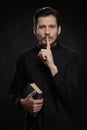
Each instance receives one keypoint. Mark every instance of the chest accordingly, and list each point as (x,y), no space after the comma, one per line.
(35,71)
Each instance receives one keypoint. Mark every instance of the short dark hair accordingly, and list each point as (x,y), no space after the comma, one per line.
(46,11)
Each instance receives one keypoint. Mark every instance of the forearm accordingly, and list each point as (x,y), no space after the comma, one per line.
(14,96)
(66,92)
(66,84)
(53,69)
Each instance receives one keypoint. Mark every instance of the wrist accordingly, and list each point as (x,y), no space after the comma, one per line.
(53,69)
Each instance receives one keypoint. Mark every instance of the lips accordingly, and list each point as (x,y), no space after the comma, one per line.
(49,38)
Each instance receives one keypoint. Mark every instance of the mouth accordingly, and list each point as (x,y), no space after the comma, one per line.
(45,39)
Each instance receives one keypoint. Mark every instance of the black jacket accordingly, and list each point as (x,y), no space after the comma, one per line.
(59,91)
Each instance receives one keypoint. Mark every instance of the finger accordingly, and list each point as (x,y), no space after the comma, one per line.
(38,101)
(43,50)
(37,105)
(42,55)
(37,108)
(31,94)
(48,44)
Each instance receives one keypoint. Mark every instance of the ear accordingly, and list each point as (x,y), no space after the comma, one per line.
(59,30)
(34,30)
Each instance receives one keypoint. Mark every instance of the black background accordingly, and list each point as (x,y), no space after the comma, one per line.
(16,35)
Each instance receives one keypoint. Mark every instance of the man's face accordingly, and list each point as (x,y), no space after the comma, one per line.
(47,28)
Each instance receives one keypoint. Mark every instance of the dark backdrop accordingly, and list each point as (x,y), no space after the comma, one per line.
(16,35)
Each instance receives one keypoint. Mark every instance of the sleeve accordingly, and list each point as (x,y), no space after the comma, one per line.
(16,88)
(66,85)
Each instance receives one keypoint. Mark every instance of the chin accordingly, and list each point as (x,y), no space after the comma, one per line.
(44,45)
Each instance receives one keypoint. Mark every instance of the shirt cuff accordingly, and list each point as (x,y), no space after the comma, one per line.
(17,102)
(58,78)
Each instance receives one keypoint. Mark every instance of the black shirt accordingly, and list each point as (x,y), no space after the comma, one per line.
(59,91)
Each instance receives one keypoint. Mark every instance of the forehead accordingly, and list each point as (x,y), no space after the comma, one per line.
(47,20)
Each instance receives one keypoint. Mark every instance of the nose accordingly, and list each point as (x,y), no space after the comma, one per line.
(47,31)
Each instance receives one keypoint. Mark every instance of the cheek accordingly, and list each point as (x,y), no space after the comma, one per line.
(40,34)
(55,35)
(39,37)
(54,32)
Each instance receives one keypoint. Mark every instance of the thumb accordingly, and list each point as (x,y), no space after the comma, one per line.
(30,95)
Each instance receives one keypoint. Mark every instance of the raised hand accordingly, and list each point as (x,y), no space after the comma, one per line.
(46,54)
(47,58)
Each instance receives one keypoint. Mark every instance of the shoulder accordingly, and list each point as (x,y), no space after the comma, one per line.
(69,52)
(28,52)
(68,55)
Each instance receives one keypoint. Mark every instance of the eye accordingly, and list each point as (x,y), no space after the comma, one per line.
(52,26)
(41,27)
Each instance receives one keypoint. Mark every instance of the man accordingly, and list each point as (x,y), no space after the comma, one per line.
(54,69)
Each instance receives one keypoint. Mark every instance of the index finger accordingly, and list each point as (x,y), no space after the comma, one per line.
(48,44)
